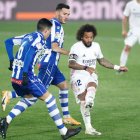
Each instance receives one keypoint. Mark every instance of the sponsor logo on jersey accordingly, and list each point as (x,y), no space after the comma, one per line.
(57,35)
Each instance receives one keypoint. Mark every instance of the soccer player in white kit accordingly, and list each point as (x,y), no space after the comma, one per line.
(84,80)
(132,18)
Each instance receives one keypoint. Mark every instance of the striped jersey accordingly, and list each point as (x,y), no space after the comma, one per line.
(27,55)
(56,36)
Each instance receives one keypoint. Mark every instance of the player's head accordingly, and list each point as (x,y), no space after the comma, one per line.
(62,12)
(86,34)
(44,26)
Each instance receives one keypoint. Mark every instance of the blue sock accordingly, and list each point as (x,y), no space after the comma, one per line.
(63,98)
(54,114)
(20,107)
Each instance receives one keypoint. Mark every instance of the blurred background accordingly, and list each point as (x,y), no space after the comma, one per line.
(80,9)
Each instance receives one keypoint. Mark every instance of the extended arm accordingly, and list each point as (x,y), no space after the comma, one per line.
(104,62)
(124,26)
(56,48)
(9,44)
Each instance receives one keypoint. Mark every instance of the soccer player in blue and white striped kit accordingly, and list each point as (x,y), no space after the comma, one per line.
(28,85)
(49,72)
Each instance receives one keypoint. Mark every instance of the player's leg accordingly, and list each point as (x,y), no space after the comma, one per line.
(84,89)
(21,106)
(130,41)
(53,110)
(6,96)
(124,55)
(90,95)
(60,82)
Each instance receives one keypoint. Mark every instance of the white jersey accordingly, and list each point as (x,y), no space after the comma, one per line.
(85,56)
(132,10)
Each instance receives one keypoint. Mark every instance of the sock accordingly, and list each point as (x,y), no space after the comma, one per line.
(123,58)
(12,94)
(85,115)
(20,107)
(90,96)
(54,114)
(63,98)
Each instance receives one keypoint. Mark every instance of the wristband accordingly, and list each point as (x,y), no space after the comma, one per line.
(85,67)
(116,67)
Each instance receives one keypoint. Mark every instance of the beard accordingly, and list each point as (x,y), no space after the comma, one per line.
(87,44)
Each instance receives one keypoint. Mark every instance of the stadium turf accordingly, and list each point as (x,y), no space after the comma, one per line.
(116,112)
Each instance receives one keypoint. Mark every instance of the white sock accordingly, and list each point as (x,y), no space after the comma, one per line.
(123,58)
(85,114)
(90,96)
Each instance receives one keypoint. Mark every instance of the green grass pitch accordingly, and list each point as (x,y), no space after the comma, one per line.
(117,105)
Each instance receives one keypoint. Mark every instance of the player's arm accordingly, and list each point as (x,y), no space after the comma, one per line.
(9,44)
(74,65)
(124,26)
(56,48)
(56,36)
(107,64)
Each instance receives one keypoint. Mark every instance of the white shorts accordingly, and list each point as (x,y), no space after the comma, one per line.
(132,38)
(79,83)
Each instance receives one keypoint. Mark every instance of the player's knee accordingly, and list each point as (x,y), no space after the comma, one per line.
(45,96)
(127,48)
(63,85)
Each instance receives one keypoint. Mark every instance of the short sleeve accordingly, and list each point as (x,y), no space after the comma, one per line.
(100,54)
(73,55)
(56,33)
(127,10)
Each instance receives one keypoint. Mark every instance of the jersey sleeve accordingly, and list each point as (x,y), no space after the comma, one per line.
(34,41)
(99,53)
(127,10)
(73,55)
(56,33)
(10,43)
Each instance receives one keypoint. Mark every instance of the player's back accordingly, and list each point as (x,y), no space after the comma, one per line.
(34,42)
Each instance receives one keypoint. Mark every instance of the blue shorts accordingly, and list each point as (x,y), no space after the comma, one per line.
(50,75)
(34,87)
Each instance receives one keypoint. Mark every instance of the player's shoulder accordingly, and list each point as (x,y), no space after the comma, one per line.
(77,44)
(95,44)
(33,38)
(130,3)
(56,22)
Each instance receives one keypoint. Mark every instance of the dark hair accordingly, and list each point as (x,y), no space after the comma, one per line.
(62,5)
(43,23)
(85,28)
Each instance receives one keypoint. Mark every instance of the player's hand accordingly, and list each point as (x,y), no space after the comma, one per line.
(123,69)
(124,34)
(25,79)
(38,65)
(11,65)
(90,70)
